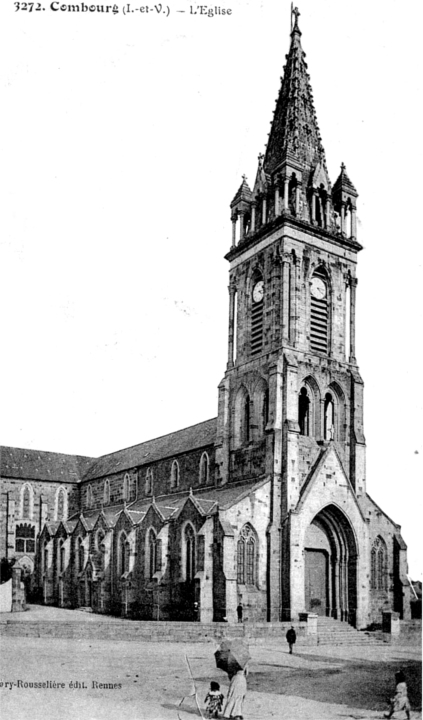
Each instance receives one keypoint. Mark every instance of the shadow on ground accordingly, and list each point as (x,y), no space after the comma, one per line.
(358,684)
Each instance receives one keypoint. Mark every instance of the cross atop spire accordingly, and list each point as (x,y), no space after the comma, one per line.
(294,25)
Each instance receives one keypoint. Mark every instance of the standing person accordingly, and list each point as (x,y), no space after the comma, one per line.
(400,700)
(239,612)
(214,700)
(196,612)
(291,638)
(236,694)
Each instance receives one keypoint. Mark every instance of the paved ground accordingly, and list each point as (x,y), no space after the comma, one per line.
(48,613)
(152,678)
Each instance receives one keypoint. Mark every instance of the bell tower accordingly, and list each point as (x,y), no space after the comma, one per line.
(291,387)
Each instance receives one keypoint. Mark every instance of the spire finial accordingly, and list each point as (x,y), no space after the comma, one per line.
(343,167)
(244,178)
(294,24)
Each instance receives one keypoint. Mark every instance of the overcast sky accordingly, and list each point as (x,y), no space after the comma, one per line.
(124,140)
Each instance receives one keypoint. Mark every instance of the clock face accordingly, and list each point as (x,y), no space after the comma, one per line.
(258,291)
(318,288)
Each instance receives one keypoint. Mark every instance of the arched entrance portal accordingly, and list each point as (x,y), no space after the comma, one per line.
(330,552)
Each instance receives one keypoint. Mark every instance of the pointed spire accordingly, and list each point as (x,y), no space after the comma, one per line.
(344,184)
(294,132)
(243,193)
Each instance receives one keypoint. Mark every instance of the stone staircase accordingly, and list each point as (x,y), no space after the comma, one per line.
(329,632)
(335,632)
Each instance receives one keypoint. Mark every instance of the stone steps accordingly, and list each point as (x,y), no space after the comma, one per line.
(346,638)
(139,631)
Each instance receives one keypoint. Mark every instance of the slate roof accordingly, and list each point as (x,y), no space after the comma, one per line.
(205,498)
(27,464)
(190,438)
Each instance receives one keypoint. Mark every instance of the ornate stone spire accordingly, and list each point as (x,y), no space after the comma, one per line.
(294,134)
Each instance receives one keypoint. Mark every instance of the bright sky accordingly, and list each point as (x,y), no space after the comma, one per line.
(124,140)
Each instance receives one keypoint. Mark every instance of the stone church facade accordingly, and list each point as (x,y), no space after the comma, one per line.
(266,504)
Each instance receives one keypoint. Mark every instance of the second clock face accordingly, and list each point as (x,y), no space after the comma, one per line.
(258,291)
(318,288)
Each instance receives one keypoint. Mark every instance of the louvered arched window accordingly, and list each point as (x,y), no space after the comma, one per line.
(319,311)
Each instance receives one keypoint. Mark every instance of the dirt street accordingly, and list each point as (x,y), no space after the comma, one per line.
(103,680)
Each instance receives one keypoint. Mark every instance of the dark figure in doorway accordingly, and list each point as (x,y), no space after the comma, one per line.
(239,612)
(291,638)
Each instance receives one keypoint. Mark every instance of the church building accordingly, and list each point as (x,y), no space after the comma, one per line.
(266,504)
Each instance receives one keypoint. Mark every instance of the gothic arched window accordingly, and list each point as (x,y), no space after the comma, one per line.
(62,556)
(329,417)
(174,475)
(204,469)
(26,502)
(106,492)
(149,477)
(304,412)
(45,557)
(61,504)
(189,538)
(81,554)
(261,408)
(125,489)
(242,418)
(240,561)
(245,426)
(89,497)
(152,553)
(123,554)
(247,556)
(378,565)
(292,195)
(250,560)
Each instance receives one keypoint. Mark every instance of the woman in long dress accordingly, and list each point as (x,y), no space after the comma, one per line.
(236,694)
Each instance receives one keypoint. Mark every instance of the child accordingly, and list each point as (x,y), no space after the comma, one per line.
(214,700)
(400,701)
